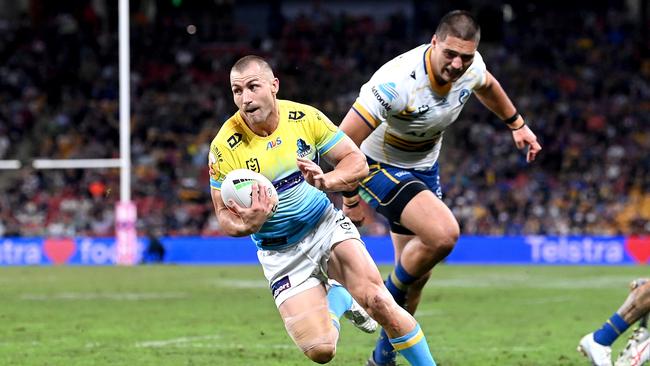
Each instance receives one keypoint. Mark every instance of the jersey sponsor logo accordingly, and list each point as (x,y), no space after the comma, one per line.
(381,100)
(413,75)
(296,115)
(388,89)
(464,94)
(253,164)
(273,144)
(214,159)
(234,139)
(411,113)
(280,285)
(303,148)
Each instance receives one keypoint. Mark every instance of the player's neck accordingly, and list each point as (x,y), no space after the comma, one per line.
(267,127)
(439,81)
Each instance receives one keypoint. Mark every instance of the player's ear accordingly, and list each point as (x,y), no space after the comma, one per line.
(434,40)
(275,86)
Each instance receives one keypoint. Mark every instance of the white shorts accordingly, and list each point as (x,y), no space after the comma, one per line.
(300,267)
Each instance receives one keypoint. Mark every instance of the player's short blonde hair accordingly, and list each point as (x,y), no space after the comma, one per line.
(245,61)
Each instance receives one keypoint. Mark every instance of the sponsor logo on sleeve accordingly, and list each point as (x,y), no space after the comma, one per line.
(385,93)
(388,89)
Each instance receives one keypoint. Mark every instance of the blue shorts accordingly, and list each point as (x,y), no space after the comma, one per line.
(388,189)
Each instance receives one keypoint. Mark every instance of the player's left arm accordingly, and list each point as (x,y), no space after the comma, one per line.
(492,96)
(349,164)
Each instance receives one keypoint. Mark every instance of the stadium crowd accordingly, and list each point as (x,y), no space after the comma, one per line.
(582,79)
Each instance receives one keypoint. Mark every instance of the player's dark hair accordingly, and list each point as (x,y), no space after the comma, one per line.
(460,24)
(245,61)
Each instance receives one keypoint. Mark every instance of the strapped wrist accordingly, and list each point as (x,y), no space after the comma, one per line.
(352,193)
(352,205)
(511,119)
(518,128)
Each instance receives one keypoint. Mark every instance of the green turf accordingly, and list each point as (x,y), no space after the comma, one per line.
(176,315)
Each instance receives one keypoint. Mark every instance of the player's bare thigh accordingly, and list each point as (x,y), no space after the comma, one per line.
(430,219)
(307,320)
(351,265)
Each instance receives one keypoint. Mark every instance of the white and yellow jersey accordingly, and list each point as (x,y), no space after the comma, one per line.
(303,131)
(408,111)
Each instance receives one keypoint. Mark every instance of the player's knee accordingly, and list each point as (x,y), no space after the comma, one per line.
(442,240)
(641,295)
(321,353)
(378,302)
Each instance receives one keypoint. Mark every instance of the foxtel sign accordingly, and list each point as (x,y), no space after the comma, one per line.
(34,251)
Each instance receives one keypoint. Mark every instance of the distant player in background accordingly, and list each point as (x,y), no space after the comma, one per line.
(398,120)
(306,241)
(597,345)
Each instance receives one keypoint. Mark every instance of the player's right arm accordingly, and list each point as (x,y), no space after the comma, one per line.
(356,128)
(242,221)
(234,219)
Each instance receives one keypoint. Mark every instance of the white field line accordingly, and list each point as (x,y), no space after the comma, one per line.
(120,296)
(199,342)
(175,341)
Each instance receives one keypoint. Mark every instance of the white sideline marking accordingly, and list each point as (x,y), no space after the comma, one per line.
(175,341)
(196,342)
(428,312)
(129,296)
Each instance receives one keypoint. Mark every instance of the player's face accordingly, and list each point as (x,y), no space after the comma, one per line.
(254,90)
(452,57)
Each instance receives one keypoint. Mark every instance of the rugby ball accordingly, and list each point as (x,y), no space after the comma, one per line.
(238,186)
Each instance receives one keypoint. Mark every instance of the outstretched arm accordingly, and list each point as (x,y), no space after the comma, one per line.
(492,96)
(349,167)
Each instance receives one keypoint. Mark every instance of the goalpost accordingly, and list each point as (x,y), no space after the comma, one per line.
(126,245)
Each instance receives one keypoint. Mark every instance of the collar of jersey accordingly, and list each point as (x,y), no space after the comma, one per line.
(441,90)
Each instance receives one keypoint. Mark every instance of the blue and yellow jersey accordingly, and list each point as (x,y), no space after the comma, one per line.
(303,131)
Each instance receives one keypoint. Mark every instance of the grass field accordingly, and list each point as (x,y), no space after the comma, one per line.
(176,315)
